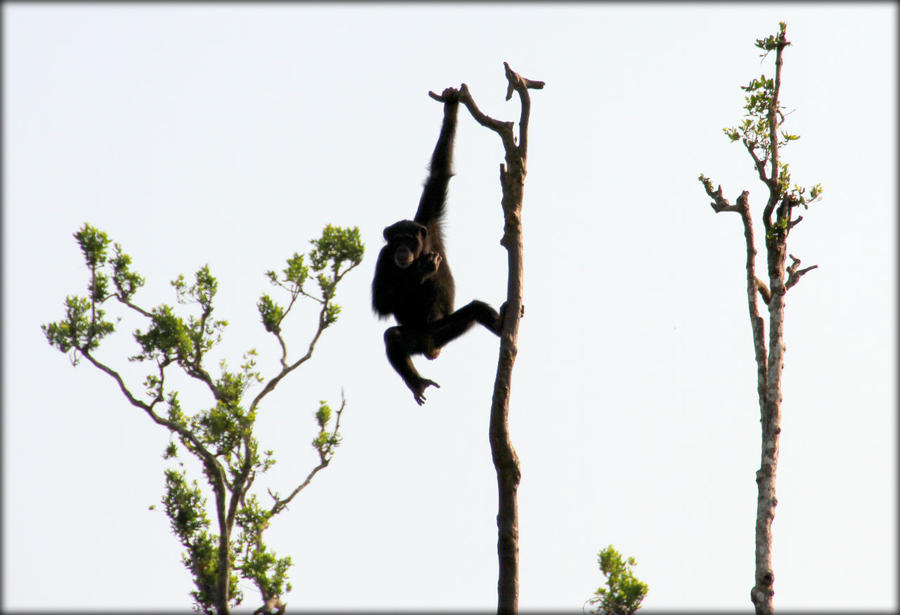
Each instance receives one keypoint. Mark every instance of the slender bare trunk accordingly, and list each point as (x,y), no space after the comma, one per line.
(770,405)
(506,462)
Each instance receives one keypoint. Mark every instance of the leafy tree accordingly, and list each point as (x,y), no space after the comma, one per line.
(224,540)
(760,134)
(623,593)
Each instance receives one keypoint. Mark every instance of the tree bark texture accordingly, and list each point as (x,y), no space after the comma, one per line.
(506,462)
(769,363)
(762,593)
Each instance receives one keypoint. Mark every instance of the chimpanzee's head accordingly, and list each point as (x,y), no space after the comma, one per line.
(406,240)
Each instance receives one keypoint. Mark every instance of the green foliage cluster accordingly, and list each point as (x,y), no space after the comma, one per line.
(186,508)
(325,441)
(760,133)
(85,325)
(759,129)
(623,592)
(333,250)
(221,435)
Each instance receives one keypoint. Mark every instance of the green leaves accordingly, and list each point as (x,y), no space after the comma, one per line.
(325,442)
(784,177)
(623,593)
(754,129)
(331,314)
(296,271)
(336,246)
(202,291)
(126,281)
(171,451)
(255,561)
(220,435)
(272,314)
(323,414)
(814,193)
(93,244)
(84,325)
(167,337)
(335,253)
(772,42)
(292,280)
(185,506)
(763,109)
(170,337)
(761,134)
(81,330)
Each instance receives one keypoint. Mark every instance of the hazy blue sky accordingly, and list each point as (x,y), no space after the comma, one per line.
(230,134)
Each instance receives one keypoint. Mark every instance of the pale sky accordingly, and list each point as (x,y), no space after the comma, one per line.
(231,134)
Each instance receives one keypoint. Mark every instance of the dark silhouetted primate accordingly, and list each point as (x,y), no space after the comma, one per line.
(413,280)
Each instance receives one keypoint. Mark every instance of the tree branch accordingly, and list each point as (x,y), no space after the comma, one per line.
(133,306)
(134,401)
(754,284)
(323,324)
(763,291)
(772,183)
(284,351)
(521,85)
(185,434)
(324,460)
(793,274)
(720,203)
(759,164)
(287,369)
(465,97)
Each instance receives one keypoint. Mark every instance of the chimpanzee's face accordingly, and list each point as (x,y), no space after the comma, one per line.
(406,240)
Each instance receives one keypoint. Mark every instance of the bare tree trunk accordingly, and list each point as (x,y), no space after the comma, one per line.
(770,414)
(223,576)
(768,385)
(770,406)
(506,462)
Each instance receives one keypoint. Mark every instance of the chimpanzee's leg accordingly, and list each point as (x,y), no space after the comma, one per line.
(400,343)
(450,327)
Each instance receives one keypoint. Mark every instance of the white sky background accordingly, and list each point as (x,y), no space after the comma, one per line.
(229,135)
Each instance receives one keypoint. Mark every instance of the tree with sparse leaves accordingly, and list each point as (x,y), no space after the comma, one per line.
(623,593)
(220,436)
(761,136)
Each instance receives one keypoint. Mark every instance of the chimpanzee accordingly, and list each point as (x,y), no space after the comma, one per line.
(412,279)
